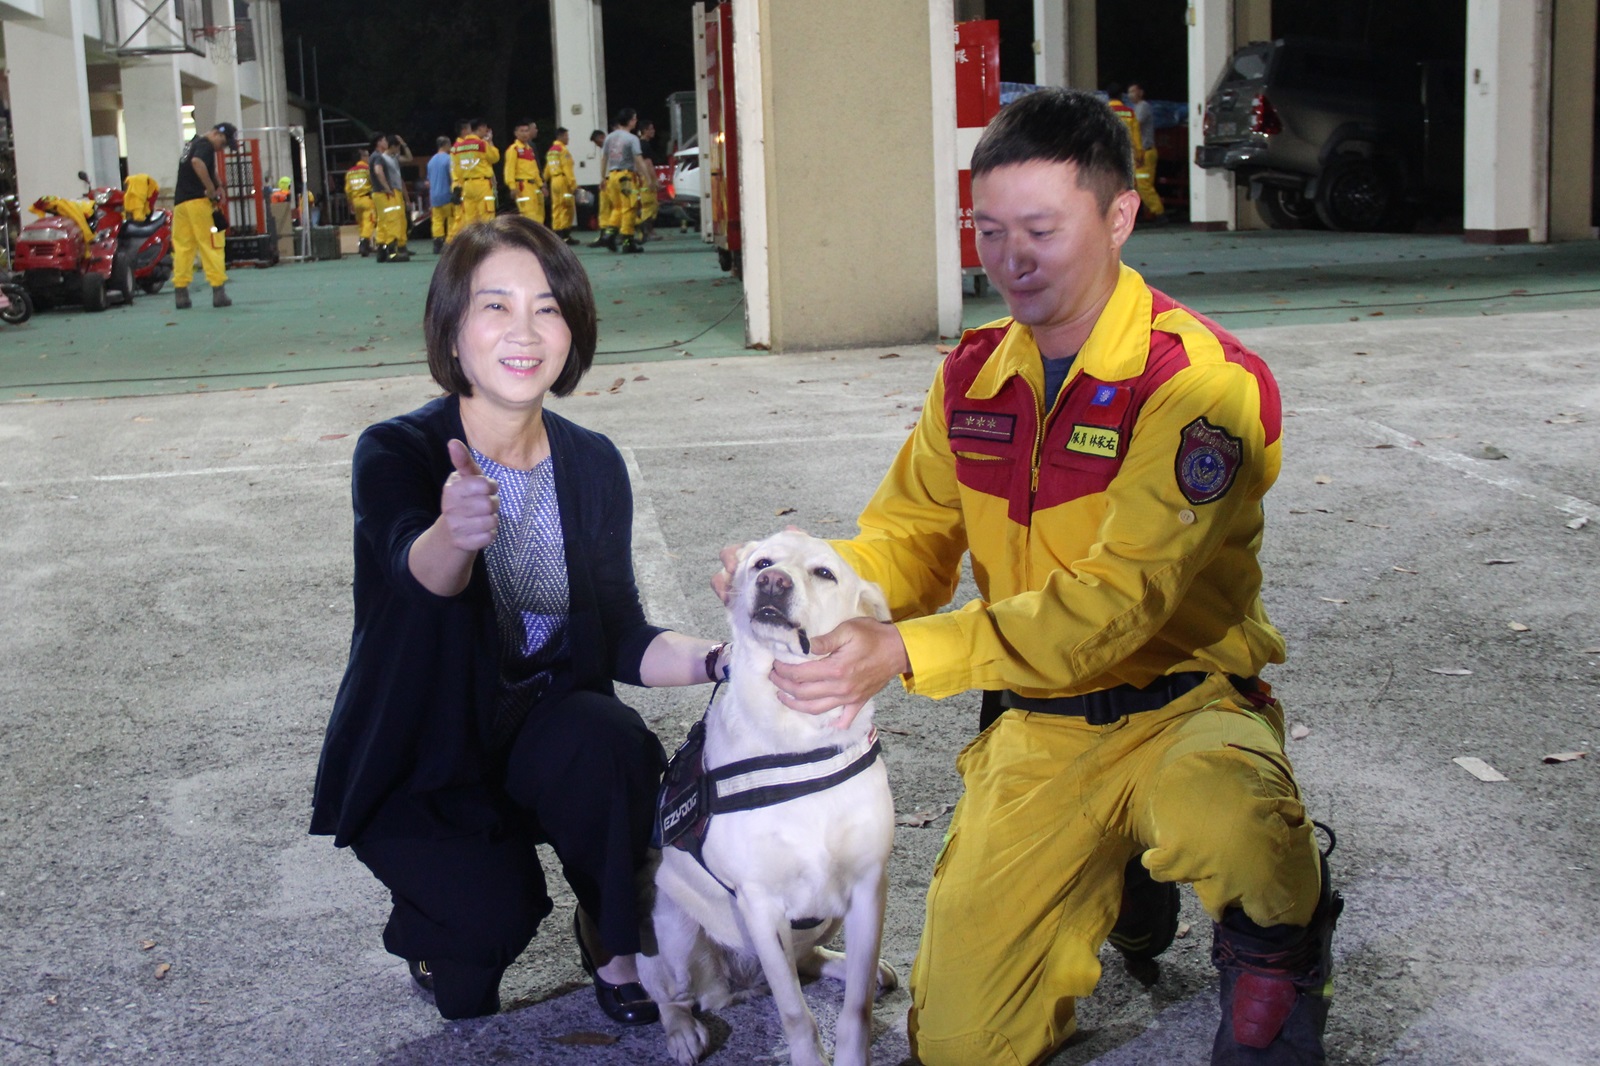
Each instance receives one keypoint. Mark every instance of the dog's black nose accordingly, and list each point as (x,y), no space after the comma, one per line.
(773,582)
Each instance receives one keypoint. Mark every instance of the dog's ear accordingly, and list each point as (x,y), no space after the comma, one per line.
(872,601)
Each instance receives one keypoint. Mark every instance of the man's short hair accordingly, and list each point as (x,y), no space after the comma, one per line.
(623,117)
(441,142)
(372,145)
(560,133)
(1061,126)
(450,296)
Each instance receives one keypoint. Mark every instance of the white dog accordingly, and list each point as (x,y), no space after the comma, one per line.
(793,821)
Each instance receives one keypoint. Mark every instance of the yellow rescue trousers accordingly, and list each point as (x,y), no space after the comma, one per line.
(1144,180)
(477,200)
(1029,880)
(391,212)
(530,200)
(362,209)
(563,208)
(193,234)
(620,210)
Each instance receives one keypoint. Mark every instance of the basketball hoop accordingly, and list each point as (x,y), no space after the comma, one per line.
(219,42)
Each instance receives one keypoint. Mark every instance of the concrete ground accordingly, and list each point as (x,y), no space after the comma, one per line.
(176,617)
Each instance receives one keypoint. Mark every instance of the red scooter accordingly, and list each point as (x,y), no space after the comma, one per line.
(122,254)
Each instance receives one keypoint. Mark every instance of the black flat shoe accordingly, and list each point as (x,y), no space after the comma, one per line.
(420,974)
(625,1004)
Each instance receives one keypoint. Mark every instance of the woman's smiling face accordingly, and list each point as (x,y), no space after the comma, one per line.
(513,342)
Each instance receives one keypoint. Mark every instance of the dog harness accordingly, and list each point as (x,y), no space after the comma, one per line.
(691,794)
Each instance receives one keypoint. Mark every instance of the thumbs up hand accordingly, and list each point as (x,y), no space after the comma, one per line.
(469,503)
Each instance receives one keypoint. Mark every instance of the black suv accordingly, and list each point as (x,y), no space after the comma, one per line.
(1334,134)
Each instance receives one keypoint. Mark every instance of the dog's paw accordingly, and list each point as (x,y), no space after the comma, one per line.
(686,1041)
(888,978)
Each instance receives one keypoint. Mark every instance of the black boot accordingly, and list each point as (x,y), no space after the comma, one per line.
(181,298)
(631,244)
(1276,985)
(438,245)
(364,246)
(220,298)
(1148,920)
(566,235)
(400,254)
(384,251)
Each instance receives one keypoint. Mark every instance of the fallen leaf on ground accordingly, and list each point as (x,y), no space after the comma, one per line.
(162,971)
(1498,562)
(146,945)
(51,1000)
(617,384)
(142,418)
(1300,732)
(890,355)
(1478,768)
(1330,599)
(1489,451)
(943,349)
(1401,570)
(919,819)
(1563,420)
(1450,671)
(641,377)
(1323,479)
(1565,756)
(784,511)
(1183,930)
(1591,651)
(333,436)
(1578,523)
(1516,627)
(1380,447)
(586,1039)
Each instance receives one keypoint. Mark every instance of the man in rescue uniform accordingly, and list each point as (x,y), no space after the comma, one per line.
(472,160)
(624,166)
(562,177)
(1102,454)
(649,200)
(521,172)
(389,202)
(358,194)
(194,198)
(1144,164)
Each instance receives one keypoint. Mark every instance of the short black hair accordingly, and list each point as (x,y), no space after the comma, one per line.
(560,133)
(623,117)
(450,296)
(441,142)
(372,145)
(1061,126)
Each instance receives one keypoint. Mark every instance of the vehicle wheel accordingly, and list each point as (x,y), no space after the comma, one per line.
(1287,209)
(122,277)
(95,296)
(1355,194)
(21,308)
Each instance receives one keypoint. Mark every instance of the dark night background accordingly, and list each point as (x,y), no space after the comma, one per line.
(415,66)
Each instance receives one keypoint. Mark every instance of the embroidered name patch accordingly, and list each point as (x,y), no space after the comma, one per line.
(1208,460)
(1095,440)
(983,425)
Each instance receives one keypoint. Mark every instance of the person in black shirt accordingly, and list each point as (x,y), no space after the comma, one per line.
(198,189)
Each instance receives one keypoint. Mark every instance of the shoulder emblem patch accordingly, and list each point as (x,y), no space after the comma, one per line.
(1209,458)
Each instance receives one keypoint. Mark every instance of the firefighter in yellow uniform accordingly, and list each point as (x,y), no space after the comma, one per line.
(1144,177)
(389,203)
(625,168)
(197,191)
(521,172)
(358,194)
(562,178)
(472,160)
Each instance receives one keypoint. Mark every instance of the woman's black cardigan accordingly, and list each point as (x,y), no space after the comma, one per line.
(415,704)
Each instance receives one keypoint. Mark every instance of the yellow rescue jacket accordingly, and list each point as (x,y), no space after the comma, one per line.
(139,194)
(559,170)
(1114,537)
(472,158)
(358,182)
(76,210)
(521,165)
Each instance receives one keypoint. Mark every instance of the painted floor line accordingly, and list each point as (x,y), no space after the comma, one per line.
(664,602)
(156,475)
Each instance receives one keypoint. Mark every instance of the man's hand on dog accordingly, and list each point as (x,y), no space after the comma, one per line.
(470,502)
(857,659)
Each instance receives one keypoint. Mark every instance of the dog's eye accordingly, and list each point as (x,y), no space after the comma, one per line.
(825,574)
(761,564)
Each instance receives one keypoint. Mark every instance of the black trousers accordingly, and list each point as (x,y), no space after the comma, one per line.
(582,776)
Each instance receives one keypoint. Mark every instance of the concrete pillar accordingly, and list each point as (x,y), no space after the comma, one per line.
(844,258)
(1066,45)
(1211,43)
(577,56)
(1572,71)
(48,79)
(152,118)
(1508,127)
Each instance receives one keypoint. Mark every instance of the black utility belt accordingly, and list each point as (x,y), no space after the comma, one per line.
(1113,704)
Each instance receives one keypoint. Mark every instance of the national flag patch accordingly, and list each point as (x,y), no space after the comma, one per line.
(1103,396)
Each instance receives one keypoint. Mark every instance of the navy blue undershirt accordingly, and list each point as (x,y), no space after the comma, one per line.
(1055,375)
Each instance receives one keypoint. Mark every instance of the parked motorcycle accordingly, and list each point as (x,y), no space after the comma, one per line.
(16,307)
(122,255)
